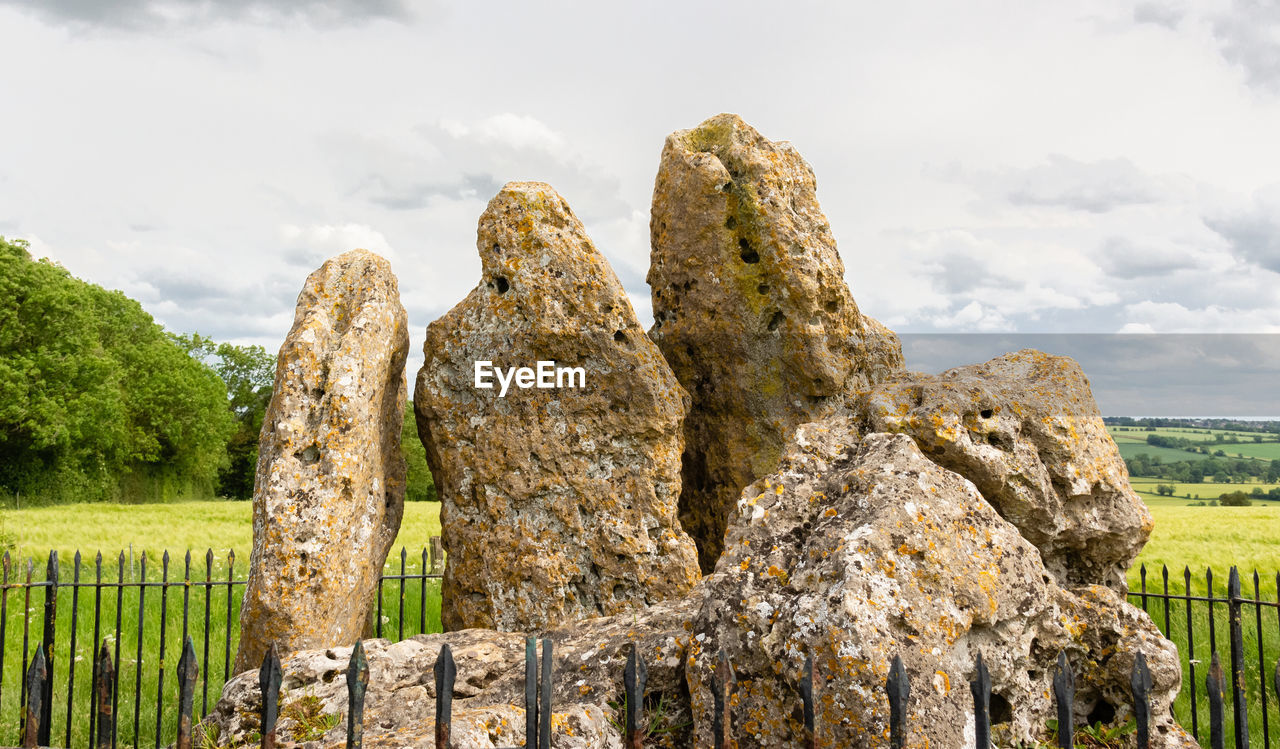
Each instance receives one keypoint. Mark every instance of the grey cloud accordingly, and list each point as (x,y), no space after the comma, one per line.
(1161,14)
(1095,187)
(1253,234)
(1123,258)
(159,14)
(965,272)
(1247,35)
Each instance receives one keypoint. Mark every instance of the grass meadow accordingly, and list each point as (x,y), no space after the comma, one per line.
(1184,537)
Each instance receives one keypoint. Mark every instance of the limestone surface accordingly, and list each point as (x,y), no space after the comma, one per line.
(857,549)
(751,309)
(1025,429)
(559,503)
(329,491)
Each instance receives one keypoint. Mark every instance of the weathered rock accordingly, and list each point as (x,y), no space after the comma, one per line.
(329,491)
(1025,429)
(751,309)
(558,503)
(855,550)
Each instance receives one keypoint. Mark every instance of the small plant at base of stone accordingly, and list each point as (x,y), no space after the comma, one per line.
(657,717)
(1096,736)
(310,721)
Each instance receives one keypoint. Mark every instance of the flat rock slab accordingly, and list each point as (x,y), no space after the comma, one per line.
(559,502)
(329,493)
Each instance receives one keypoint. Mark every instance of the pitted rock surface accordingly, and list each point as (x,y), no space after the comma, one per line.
(751,309)
(558,504)
(860,549)
(856,550)
(1025,429)
(329,491)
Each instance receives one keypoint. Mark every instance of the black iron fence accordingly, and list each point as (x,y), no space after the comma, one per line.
(133,614)
(538,703)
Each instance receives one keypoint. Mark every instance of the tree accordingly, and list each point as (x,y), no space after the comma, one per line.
(419,486)
(1235,499)
(1164,490)
(96,401)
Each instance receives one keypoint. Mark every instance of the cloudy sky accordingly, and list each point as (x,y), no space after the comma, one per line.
(993,166)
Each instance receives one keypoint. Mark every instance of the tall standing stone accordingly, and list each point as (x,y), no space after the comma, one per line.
(559,503)
(329,492)
(751,310)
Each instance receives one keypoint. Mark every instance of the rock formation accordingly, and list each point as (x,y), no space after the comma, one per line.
(329,491)
(751,309)
(857,549)
(1025,430)
(558,502)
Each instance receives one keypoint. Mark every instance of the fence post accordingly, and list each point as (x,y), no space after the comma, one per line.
(50,629)
(1064,694)
(357,683)
(445,672)
(188,670)
(530,692)
(437,555)
(269,684)
(899,688)
(1213,685)
(806,698)
(721,685)
(1140,683)
(103,689)
(36,677)
(634,677)
(980,687)
(1239,706)
(544,710)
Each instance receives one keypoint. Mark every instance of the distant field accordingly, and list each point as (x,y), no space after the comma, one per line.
(220,525)
(1146,488)
(1218,537)
(1133,440)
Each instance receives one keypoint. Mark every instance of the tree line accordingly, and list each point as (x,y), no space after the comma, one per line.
(98,402)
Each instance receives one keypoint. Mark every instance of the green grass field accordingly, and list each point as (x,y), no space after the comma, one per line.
(1133,441)
(1194,537)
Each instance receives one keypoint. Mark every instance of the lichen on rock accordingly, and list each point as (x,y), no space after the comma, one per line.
(329,491)
(558,503)
(751,309)
(1025,429)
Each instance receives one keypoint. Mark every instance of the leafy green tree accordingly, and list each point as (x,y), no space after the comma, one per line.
(96,401)
(1235,499)
(419,486)
(1164,490)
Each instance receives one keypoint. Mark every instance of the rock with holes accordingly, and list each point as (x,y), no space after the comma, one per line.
(553,430)
(488,696)
(751,309)
(859,549)
(1024,428)
(329,491)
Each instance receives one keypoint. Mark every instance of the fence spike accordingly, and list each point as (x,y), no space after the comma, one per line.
(47,644)
(188,670)
(103,686)
(806,701)
(980,688)
(634,676)
(269,683)
(1140,683)
(37,675)
(445,672)
(722,681)
(898,686)
(1213,685)
(357,684)
(531,692)
(1235,633)
(1064,694)
(544,710)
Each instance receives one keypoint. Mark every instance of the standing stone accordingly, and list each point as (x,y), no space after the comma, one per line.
(751,310)
(1025,429)
(329,492)
(559,503)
